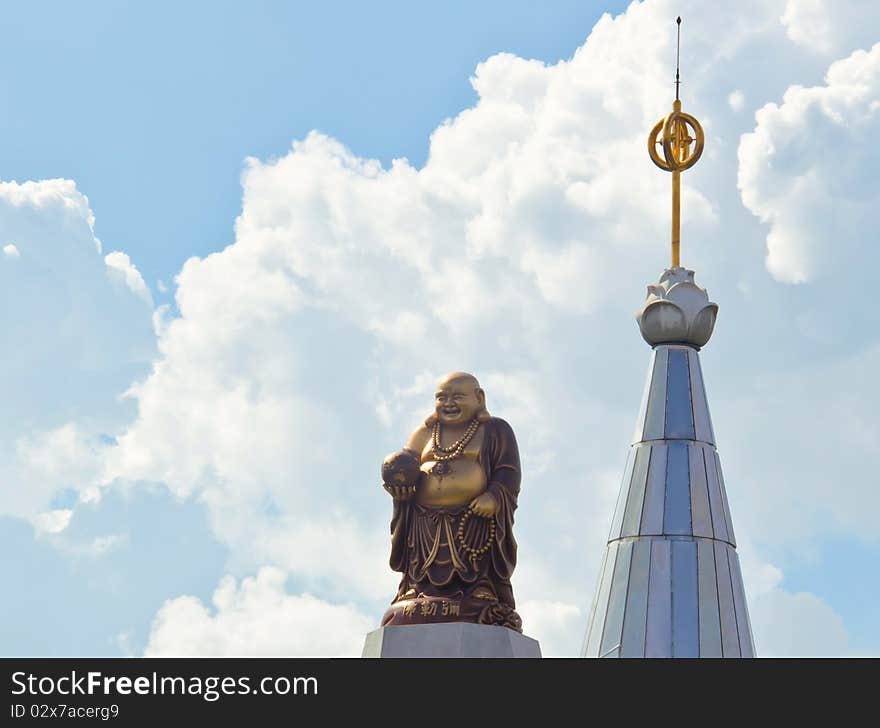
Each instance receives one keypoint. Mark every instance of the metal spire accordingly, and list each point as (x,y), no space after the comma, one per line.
(671,584)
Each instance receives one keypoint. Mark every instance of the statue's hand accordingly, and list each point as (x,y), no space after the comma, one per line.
(485,505)
(400,492)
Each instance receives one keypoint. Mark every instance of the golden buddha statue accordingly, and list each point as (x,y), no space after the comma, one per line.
(454,488)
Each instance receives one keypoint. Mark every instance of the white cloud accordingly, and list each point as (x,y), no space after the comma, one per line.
(74,341)
(65,452)
(49,461)
(256,617)
(826,26)
(736,100)
(808,22)
(313,548)
(797,625)
(120,265)
(57,199)
(10,251)
(819,206)
(829,405)
(554,624)
(53,521)
(787,624)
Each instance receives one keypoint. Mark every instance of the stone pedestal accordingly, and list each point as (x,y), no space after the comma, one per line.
(450,639)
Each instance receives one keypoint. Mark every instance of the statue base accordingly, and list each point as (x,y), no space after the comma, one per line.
(431,610)
(449,639)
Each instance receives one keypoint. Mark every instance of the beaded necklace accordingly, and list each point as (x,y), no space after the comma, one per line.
(442,455)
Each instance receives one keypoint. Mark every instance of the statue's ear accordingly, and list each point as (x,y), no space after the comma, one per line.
(483,415)
(432,418)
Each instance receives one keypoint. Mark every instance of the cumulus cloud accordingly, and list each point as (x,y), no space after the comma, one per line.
(10,251)
(257,617)
(554,624)
(816,631)
(311,547)
(786,623)
(817,204)
(65,454)
(74,341)
(825,27)
(809,23)
(120,266)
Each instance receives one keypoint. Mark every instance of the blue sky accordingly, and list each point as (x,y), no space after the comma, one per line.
(241,241)
(155,106)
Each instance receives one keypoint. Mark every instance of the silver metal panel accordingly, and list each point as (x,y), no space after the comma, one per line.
(724,502)
(700,517)
(633,515)
(586,643)
(594,636)
(685,614)
(716,502)
(726,607)
(679,410)
(677,508)
(617,599)
(710,621)
(634,619)
(706,400)
(656,415)
(655,493)
(743,623)
(658,637)
(617,521)
(702,421)
(639,433)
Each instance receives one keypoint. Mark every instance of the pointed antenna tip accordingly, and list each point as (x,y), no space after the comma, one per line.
(677,56)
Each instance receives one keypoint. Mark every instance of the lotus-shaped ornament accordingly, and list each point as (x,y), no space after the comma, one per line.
(677,311)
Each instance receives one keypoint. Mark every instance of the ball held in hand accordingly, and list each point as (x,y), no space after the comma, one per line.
(401,469)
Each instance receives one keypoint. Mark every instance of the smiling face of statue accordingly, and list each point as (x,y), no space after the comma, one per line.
(458,399)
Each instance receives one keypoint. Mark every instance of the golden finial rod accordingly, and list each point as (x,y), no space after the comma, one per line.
(673,134)
(677,55)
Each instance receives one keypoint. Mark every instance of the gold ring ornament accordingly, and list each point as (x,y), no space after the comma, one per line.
(675,133)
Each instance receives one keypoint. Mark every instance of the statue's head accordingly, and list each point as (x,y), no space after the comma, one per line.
(458,400)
